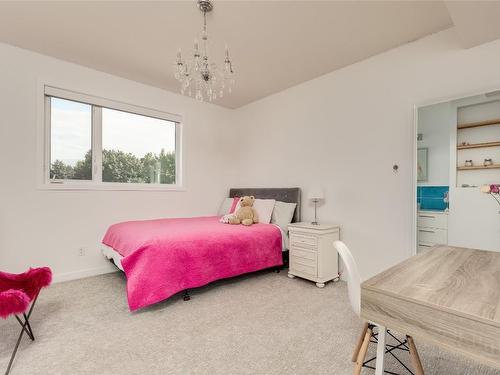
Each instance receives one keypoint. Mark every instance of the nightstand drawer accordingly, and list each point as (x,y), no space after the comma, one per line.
(303,240)
(302,268)
(304,261)
(302,253)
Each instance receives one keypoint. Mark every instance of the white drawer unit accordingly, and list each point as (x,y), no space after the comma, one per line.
(432,235)
(312,255)
(432,229)
(423,247)
(430,219)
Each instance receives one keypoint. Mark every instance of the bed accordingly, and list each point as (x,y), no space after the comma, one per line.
(165,256)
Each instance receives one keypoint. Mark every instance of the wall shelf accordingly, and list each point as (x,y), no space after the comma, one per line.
(478,124)
(476,167)
(484,139)
(478,145)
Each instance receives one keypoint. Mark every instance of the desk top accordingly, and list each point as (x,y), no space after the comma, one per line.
(465,282)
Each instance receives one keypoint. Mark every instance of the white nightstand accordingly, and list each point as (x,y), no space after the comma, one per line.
(312,255)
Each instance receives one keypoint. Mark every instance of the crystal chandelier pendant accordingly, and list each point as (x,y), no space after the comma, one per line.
(198,74)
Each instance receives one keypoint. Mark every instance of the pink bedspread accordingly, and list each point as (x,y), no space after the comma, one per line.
(165,256)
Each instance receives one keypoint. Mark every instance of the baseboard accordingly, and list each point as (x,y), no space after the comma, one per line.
(67,276)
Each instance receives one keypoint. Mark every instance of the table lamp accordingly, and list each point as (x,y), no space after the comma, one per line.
(316,195)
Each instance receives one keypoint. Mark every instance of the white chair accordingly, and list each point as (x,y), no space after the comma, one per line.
(354,289)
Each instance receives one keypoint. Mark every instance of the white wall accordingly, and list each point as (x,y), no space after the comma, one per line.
(345,130)
(47,227)
(434,123)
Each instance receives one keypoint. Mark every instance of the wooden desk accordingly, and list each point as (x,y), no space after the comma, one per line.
(447,295)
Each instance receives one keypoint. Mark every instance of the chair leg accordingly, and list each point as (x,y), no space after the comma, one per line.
(379,367)
(31,335)
(24,329)
(27,328)
(16,347)
(360,342)
(414,357)
(362,351)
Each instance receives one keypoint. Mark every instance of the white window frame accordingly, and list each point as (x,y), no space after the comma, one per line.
(97,104)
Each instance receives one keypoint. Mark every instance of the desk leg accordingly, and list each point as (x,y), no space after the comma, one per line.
(379,369)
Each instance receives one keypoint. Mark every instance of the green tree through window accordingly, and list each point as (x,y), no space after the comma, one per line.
(118,166)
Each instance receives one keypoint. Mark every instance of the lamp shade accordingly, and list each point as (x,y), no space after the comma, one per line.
(316,192)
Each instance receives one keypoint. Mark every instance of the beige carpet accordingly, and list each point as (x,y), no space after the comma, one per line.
(263,323)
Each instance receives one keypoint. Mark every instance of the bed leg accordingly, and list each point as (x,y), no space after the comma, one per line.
(186,296)
(277,270)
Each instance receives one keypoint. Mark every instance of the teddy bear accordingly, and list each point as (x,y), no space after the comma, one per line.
(246,214)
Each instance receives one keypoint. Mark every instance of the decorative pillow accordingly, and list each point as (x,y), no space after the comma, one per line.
(236,200)
(228,206)
(283,214)
(264,208)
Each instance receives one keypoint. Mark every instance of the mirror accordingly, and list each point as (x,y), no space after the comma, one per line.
(422,169)
(458,154)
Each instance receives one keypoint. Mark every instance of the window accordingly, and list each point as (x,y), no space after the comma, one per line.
(97,143)
(70,140)
(136,148)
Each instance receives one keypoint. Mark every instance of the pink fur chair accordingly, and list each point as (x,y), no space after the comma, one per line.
(18,294)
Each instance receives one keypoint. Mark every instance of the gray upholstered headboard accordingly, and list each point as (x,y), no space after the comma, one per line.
(289,195)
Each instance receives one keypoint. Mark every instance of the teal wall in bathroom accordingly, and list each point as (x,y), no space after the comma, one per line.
(431,197)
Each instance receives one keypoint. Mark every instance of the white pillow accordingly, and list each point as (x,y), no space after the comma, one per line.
(264,208)
(225,206)
(283,214)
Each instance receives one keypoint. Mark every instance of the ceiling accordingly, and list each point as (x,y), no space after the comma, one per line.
(274,44)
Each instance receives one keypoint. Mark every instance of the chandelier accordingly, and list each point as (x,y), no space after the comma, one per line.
(199,76)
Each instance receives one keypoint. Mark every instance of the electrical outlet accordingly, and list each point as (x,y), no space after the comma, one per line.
(81,252)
